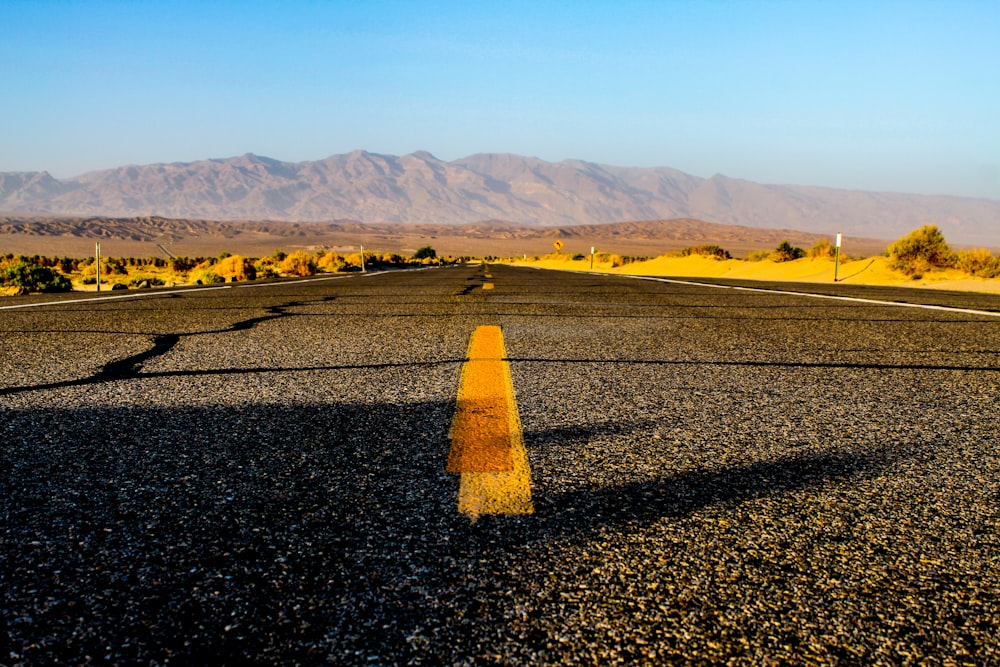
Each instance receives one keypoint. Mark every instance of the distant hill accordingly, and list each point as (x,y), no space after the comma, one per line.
(145,236)
(420,188)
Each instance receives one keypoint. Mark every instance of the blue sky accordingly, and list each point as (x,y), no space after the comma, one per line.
(898,96)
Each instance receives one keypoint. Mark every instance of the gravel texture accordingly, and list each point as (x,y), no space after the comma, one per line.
(256,476)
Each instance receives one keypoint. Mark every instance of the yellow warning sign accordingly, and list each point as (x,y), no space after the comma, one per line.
(558,245)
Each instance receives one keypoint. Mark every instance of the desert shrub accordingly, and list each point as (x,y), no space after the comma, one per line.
(578,256)
(235,267)
(352,261)
(299,263)
(331,262)
(114,267)
(707,250)
(34,278)
(204,275)
(822,249)
(426,252)
(266,271)
(920,251)
(786,252)
(609,258)
(182,264)
(135,281)
(979,262)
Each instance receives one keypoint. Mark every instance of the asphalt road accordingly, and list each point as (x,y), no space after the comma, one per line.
(257,475)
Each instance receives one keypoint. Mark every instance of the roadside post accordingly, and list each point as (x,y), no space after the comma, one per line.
(363,259)
(836,259)
(592,250)
(97,263)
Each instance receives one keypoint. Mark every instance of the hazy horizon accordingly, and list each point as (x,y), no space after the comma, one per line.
(878,96)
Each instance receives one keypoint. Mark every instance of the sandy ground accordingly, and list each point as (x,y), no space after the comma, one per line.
(869,271)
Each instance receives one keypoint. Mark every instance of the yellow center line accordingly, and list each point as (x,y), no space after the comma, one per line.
(487,285)
(487,445)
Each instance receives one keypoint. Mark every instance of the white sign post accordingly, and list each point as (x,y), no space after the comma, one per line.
(836,259)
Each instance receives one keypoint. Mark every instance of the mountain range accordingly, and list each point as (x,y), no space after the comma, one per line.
(421,189)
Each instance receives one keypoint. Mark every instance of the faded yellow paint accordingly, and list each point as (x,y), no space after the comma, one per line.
(487,285)
(487,445)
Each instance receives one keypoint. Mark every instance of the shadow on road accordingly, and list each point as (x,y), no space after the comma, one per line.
(289,531)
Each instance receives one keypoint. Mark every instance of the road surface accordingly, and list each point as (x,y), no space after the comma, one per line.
(258,474)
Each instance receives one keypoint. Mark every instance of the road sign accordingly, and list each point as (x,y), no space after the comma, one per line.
(558,245)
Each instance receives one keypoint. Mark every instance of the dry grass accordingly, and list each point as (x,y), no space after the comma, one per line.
(119,272)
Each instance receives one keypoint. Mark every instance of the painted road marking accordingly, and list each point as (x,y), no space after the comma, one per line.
(116,296)
(192,289)
(814,295)
(487,444)
(487,285)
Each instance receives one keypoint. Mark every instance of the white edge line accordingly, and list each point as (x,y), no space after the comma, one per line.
(139,295)
(134,295)
(109,298)
(293,282)
(947,309)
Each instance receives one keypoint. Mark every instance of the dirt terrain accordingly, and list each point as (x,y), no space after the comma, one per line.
(144,236)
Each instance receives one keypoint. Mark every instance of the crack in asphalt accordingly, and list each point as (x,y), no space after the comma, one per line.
(130,367)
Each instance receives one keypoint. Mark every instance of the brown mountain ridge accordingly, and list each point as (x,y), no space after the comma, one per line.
(421,189)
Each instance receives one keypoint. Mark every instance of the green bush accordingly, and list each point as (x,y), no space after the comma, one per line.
(786,252)
(426,252)
(34,278)
(707,250)
(920,251)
